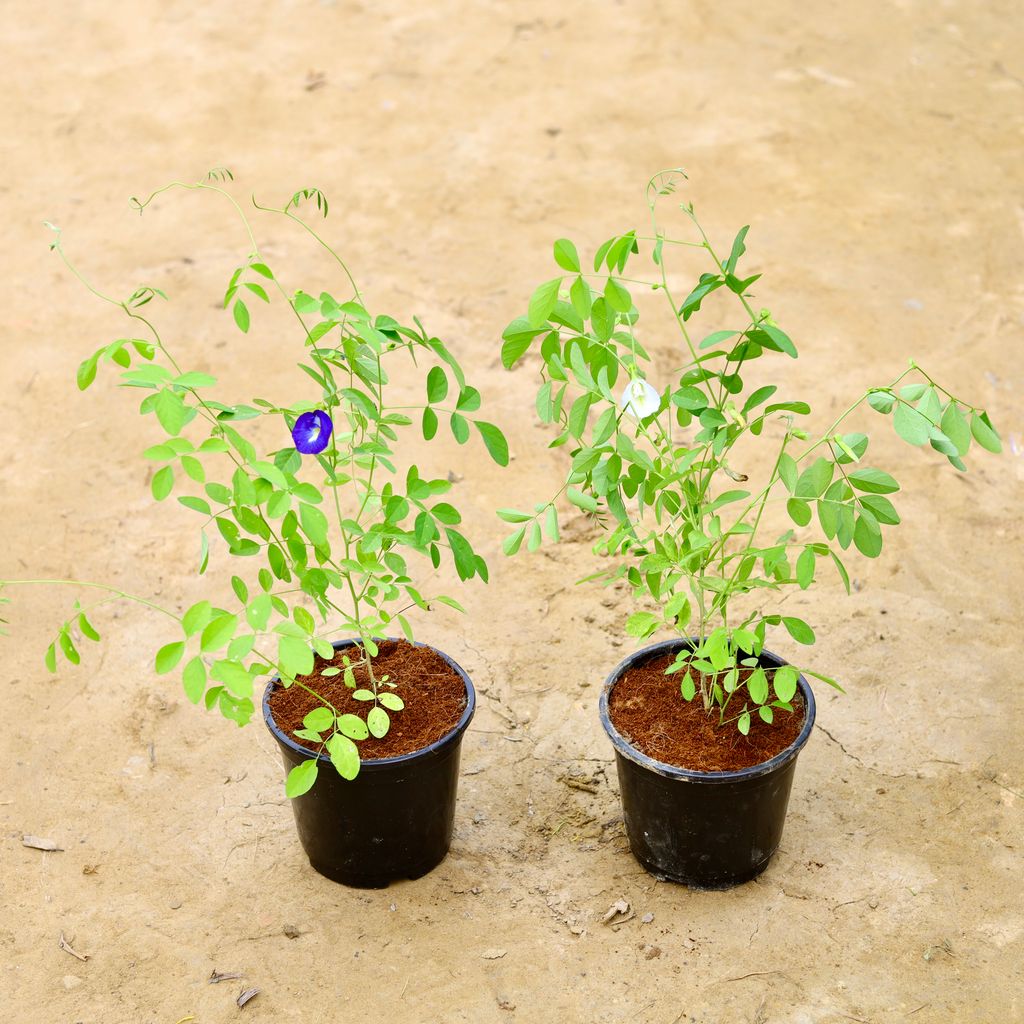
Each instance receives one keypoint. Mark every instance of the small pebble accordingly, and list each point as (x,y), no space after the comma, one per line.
(647,918)
(176,905)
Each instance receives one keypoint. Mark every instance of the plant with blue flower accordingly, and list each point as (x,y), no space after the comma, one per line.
(324,527)
(661,457)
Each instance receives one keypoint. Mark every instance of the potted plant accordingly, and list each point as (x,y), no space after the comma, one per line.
(707,534)
(330,538)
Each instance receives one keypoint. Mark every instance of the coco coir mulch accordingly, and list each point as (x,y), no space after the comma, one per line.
(646,707)
(432,690)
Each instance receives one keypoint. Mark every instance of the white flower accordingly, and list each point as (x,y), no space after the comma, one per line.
(639,399)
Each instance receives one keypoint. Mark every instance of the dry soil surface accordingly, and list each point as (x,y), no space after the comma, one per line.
(876,150)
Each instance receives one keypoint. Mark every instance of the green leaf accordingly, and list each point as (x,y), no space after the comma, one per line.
(956,428)
(516,341)
(87,628)
(781,339)
(363,695)
(788,473)
(813,481)
(874,481)
(170,411)
(984,433)
(195,504)
(162,483)
(867,538)
(841,569)
(798,630)
(617,296)
(193,679)
(511,544)
(577,421)
(743,723)
(881,508)
(378,722)
(241,315)
(642,624)
(87,371)
(391,701)
(196,617)
(738,249)
(168,656)
(353,727)
(234,676)
(319,719)
(257,612)
(217,633)
(853,447)
(300,779)
(429,424)
(314,524)
(294,656)
(911,425)
(799,511)
(805,566)
(460,427)
(469,400)
(437,385)
(194,380)
(784,683)
(551,523)
(535,539)
(543,302)
(67,646)
(579,296)
(881,401)
(757,686)
(494,441)
(462,553)
(566,255)
(510,515)
(344,756)
(581,500)
(307,624)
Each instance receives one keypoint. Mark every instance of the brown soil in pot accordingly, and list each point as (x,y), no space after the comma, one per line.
(434,695)
(646,707)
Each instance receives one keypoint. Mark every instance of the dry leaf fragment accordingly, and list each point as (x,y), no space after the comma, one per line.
(620,908)
(65,945)
(35,843)
(216,976)
(244,997)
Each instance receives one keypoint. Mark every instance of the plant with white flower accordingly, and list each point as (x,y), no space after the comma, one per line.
(639,399)
(668,474)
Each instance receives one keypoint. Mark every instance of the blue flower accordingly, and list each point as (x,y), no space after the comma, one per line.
(311,432)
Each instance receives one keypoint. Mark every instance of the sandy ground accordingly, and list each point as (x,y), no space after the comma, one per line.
(877,153)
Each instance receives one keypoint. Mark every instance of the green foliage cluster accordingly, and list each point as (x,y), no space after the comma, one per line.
(657,466)
(325,543)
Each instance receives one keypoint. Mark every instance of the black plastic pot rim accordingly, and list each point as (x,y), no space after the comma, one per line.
(380,763)
(627,750)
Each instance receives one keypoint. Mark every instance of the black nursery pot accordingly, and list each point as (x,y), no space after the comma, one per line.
(393,820)
(709,830)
